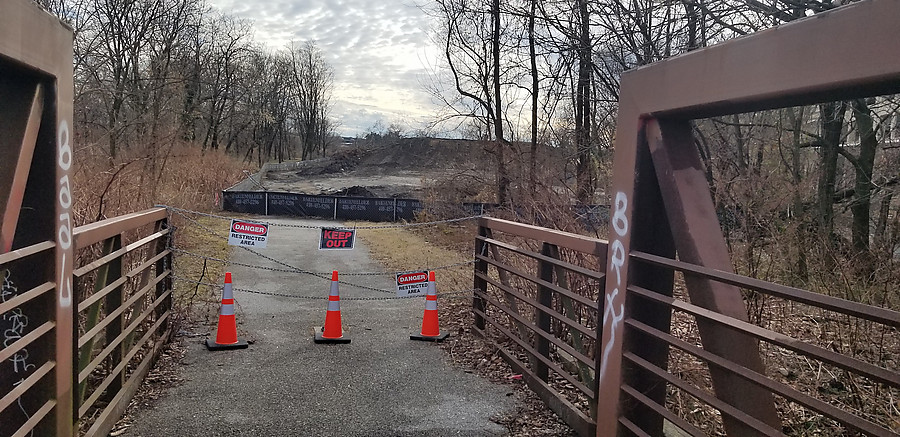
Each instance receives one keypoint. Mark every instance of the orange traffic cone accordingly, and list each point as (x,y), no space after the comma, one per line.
(226,335)
(332,332)
(430,329)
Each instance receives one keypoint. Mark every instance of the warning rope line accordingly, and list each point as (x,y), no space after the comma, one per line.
(324,297)
(287,225)
(291,269)
(317,274)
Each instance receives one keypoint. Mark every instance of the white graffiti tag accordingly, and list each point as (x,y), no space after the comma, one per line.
(613,314)
(64,224)
(17,323)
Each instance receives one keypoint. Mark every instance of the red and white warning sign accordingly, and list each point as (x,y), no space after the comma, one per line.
(412,284)
(248,234)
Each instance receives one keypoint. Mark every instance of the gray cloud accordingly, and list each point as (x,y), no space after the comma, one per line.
(376,49)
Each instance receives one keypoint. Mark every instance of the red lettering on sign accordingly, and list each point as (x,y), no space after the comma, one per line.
(411,278)
(249,228)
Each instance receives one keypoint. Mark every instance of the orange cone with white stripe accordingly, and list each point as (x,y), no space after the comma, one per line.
(332,332)
(226,334)
(430,328)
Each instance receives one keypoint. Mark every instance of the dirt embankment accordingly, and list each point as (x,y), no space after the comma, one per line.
(398,169)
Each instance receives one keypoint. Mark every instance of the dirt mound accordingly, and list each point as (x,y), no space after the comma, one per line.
(397,169)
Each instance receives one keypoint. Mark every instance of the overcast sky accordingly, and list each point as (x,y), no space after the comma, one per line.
(380,51)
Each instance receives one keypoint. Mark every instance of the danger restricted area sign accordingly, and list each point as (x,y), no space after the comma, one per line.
(332,238)
(248,234)
(412,284)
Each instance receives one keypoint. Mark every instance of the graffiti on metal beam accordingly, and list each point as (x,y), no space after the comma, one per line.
(64,224)
(14,323)
(613,314)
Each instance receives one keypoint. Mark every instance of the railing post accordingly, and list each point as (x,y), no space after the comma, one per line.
(164,263)
(545,298)
(481,266)
(112,302)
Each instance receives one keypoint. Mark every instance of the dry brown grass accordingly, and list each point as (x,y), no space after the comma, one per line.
(400,249)
(187,178)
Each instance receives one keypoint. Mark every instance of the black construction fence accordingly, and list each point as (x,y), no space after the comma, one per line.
(373,209)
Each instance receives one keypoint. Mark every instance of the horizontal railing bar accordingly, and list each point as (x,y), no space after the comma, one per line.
(703,396)
(635,430)
(547,361)
(847,363)
(557,315)
(662,411)
(534,280)
(778,388)
(146,264)
(863,311)
(568,240)
(98,231)
(81,271)
(104,423)
(135,322)
(29,382)
(568,412)
(100,294)
(22,298)
(27,428)
(115,284)
(17,254)
(26,339)
(598,275)
(550,337)
(114,373)
(140,294)
(99,262)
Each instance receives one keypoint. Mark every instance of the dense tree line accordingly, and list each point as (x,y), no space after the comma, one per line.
(546,72)
(152,74)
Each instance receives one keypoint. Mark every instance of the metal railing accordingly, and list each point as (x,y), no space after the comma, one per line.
(123,302)
(859,367)
(123,282)
(536,297)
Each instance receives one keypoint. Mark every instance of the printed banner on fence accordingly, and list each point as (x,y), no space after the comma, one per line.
(333,238)
(412,284)
(249,234)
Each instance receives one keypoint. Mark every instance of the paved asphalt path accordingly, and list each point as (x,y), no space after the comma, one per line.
(381,384)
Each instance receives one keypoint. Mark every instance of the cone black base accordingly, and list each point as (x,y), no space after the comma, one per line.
(213,346)
(437,338)
(319,339)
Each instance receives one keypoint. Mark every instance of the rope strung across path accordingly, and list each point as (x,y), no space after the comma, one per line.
(181,212)
(290,268)
(293,296)
(318,274)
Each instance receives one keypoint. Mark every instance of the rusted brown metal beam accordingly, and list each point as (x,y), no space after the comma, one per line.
(848,52)
(593,274)
(572,241)
(36,51)
(699,240)
(875,314)
(99,231)
(822,407)
(850,364)
(16,151)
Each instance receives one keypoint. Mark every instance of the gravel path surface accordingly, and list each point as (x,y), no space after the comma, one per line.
(381,384)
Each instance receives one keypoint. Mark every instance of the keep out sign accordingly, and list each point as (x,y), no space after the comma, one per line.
(248,234)
(336,238)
